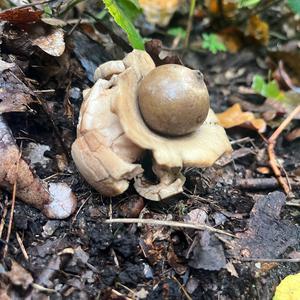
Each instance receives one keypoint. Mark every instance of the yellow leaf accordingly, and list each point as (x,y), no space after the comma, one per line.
(234,116)
(289,288)
(159,11)
(258,30)
(229,7)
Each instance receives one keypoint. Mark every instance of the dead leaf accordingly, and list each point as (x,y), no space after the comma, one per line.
(267,236)
(294,134)
(232,38)
(154,48)
(207,253)
(175,262)
(231,269)
(289,54)
(229,7)
(18,276)
(234,116)
(21,15)
(159,12)
(51,42)
(263,170)
(258,30)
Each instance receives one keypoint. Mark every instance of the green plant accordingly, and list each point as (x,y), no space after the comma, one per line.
(269,90)
(177,32)
(294,5)
(124,12)
(247,3)
(212,43)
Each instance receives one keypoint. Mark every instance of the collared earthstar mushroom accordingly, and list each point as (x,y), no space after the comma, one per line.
(133,107)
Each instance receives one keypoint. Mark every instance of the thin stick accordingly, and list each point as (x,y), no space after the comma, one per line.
(182,288)
(3,218)
(167,223)
(279,260)
(190,23)
(13,202)
(22,246)
(271,145)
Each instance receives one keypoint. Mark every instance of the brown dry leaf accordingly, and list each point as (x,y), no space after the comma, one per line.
(234,116)
(263,170)
(154,49)
(15,96)
(294,134)
(267,235)
(289,54)
(23,15)
(176,262)
(258,30)
(51,42)
(159,12)
(232,38)
(18,276)
(229,7)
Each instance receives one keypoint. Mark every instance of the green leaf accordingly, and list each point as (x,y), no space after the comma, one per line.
(258,83)
(177,31)
(124,12)
(271,90)
(212,43)
(247,3)
(294,6)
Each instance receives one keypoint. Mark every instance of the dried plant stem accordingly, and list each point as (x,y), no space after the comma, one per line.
(168,223)
(20,242)
(275,260)
(12,209)
(2,223)
(271,145)
(190,23)
(188,297)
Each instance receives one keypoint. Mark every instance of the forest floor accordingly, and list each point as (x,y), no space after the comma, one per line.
(84,258)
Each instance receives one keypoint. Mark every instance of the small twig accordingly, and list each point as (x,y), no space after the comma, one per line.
(189,23)
(120,295)
(42,288)
(168,223)
(13,202)
(80,208)
(292,203)
(271,152)
(279,260)
(182,288)
(262,183)
(22,246)
(3,217)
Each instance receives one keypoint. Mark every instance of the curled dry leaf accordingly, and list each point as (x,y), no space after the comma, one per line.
(21,15)
(112,135)
(55,200)
(294,134)
(51,42)
(234,116)
(159,12)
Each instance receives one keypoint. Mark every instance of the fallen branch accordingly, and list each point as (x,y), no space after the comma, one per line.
(262,183)
(155,222)
(272,156)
